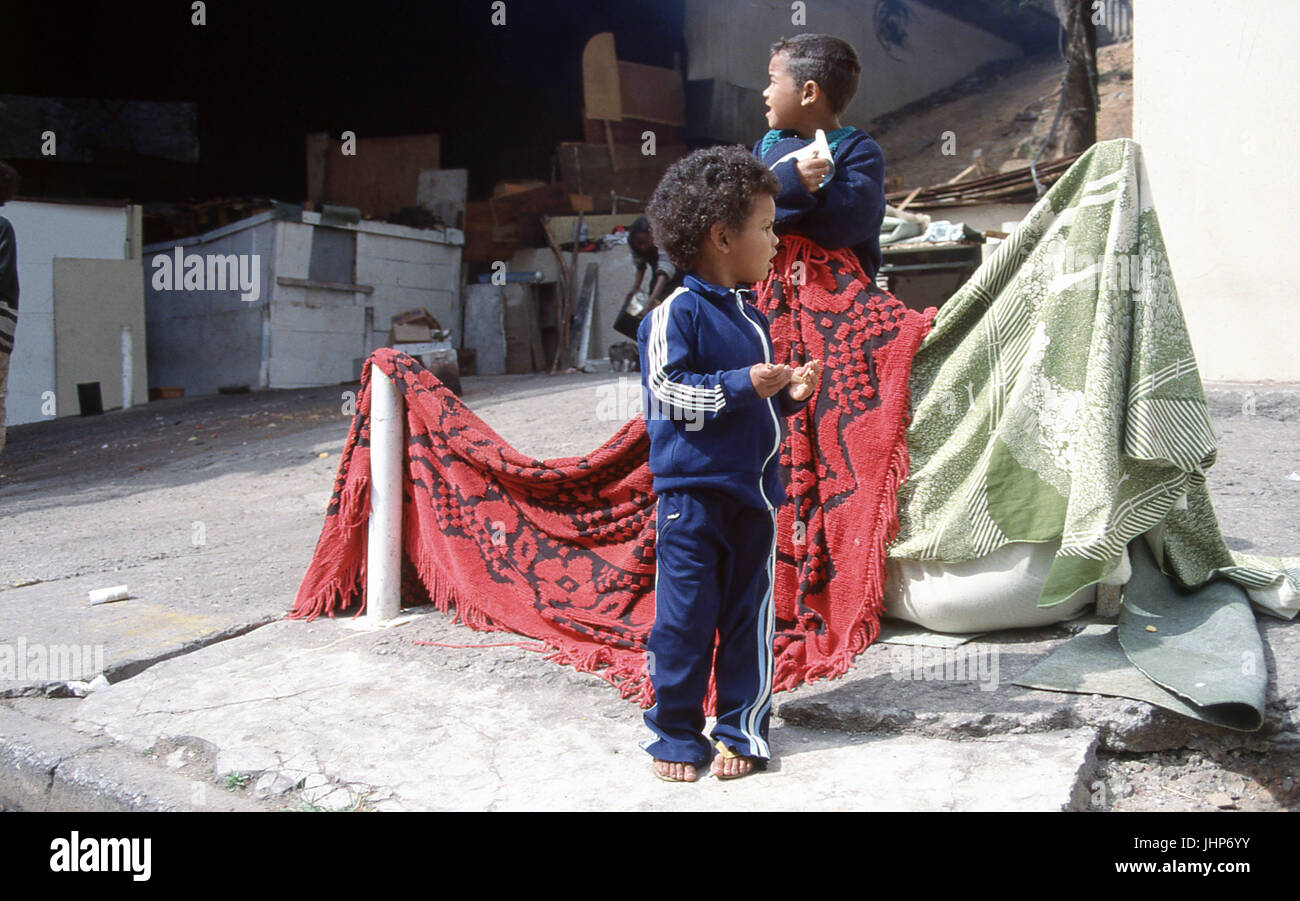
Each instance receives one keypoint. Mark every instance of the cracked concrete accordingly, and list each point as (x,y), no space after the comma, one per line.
(885,693)
(215,704)
(412,730)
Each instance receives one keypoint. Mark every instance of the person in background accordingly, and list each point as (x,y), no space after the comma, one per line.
(8,287)
(664,276)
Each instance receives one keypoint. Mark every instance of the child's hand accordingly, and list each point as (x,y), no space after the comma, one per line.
(812,171)
(769,378)
(803,381)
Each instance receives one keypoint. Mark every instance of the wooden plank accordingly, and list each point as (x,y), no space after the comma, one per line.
(586,169)
(629,131)
(552,199)
(485,327)
(328,286)
(651,93)
(375,249)
(534,329)
(609,141)
(600,82)
(519,353)
(570,302)
(383,177)
(560,305)
(960,175)
(480,246)
(1002,185)
(910,197)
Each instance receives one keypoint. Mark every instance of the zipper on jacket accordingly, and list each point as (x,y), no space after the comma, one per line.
(776,444)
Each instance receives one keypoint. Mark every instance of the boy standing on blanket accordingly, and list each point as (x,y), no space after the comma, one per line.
(812,78)
(714,403)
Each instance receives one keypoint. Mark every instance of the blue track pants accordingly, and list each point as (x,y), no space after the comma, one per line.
(714,568)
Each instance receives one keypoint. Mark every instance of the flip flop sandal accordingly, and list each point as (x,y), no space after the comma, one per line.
(728,754)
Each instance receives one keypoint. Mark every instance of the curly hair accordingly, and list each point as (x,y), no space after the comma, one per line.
(8,182)
(829,61)
(716,184)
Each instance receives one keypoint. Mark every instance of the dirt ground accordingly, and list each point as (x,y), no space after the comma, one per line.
(1004,110)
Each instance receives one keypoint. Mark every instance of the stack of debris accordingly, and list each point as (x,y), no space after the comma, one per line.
(184,219)
(1018,185)
(418,333)
(634,117)
(495,228)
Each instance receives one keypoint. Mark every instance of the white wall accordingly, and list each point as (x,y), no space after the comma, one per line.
(730,40)
(94,300)
(45,231)
(1216,106)
(615,278)
(410,268)
(201,340)
(317,335)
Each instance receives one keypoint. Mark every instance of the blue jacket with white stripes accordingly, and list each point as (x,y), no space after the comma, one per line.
(708,427)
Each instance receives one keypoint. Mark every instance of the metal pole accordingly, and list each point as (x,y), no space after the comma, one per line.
(384,553)
(127,381)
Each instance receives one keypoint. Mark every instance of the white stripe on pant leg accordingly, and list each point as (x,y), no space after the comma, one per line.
(771,625)
(766,629)
(645,745)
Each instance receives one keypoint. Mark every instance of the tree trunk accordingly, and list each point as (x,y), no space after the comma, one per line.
(1080,112)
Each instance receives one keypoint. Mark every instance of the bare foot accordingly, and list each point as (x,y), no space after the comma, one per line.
(731,766)
(674,771)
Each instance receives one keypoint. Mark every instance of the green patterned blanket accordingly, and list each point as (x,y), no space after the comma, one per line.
(1057,397)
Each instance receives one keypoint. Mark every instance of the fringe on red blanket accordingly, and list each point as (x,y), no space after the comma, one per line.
(830,597)
(562,550)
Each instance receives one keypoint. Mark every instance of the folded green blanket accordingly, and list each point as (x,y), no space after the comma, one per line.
(1057,397)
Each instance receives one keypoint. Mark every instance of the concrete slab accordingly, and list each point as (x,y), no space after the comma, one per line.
(49,767)
(367,719)
(967,692)
(319,717)
(50,634)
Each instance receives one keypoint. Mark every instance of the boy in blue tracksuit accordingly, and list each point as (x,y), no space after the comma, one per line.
(714,400)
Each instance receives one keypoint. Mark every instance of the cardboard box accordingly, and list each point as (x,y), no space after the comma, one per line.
(401,333)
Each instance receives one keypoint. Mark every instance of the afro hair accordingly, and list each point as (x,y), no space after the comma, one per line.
(716,184)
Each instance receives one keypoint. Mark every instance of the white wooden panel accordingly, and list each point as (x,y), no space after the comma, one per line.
(304,359)
(44,231)
(294,249)
(93,300)
(385,247)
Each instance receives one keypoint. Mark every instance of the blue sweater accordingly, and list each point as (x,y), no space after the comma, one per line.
(708,427)
(845,213)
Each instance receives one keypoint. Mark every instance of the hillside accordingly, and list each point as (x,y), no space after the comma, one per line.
(1005,109)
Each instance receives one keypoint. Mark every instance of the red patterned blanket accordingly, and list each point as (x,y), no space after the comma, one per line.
(562,550)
